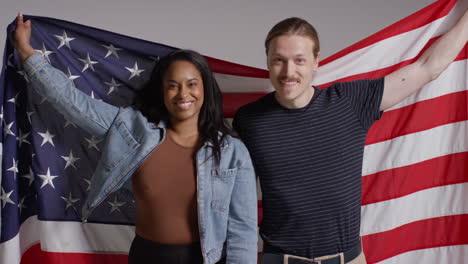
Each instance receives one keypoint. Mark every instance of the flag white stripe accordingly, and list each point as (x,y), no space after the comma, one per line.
(416,147)
(449,254)
(435,202)
(67,237)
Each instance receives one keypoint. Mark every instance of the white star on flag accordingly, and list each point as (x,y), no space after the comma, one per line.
(113,86)
(70,160)
(47,137)
(29,176)
(22,138)
(89,184)
(14,168)
(70,201)
(134,71)
(71,76)
(44,52)
(5,197)
(92,142)
(115,205)
(111,50)
(88,63)
(64,40)
(155,58)
(47,179)
(25,76)
(92,96)
(13,99)
(29,116)
(10,63)
(68,123)
(7,129)
(43,99)
(21,205)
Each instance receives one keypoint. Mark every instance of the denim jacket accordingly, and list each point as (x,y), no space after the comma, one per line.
(226,194)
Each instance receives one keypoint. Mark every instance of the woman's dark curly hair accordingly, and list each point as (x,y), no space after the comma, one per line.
(211,124)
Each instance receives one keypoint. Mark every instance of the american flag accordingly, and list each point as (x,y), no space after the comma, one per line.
(415,165)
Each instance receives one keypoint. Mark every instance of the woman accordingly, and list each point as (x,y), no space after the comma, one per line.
(194,184)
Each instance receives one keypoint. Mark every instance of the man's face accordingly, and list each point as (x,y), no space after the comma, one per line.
(291,63)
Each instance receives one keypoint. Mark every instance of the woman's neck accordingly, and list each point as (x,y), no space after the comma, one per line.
(184,133)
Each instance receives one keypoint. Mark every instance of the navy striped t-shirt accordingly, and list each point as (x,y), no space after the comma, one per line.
(309,162)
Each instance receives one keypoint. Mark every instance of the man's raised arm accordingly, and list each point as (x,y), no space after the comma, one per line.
(407,80)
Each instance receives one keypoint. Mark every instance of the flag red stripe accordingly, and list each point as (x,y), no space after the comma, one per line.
(422,17)
(35,255)
(398,182)
(428,233)
(420,116)
(226,67)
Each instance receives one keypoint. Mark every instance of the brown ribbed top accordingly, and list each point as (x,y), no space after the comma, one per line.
(165,191)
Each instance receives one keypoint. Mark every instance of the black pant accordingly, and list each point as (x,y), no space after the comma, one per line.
(144,251)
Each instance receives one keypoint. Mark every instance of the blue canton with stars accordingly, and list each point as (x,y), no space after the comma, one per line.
(47,161)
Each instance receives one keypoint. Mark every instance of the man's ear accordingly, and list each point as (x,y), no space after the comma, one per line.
(317,60)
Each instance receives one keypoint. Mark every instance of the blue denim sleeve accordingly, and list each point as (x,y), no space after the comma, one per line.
(91,115)
(242,233)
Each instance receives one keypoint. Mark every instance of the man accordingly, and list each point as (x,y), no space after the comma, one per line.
(307,144)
